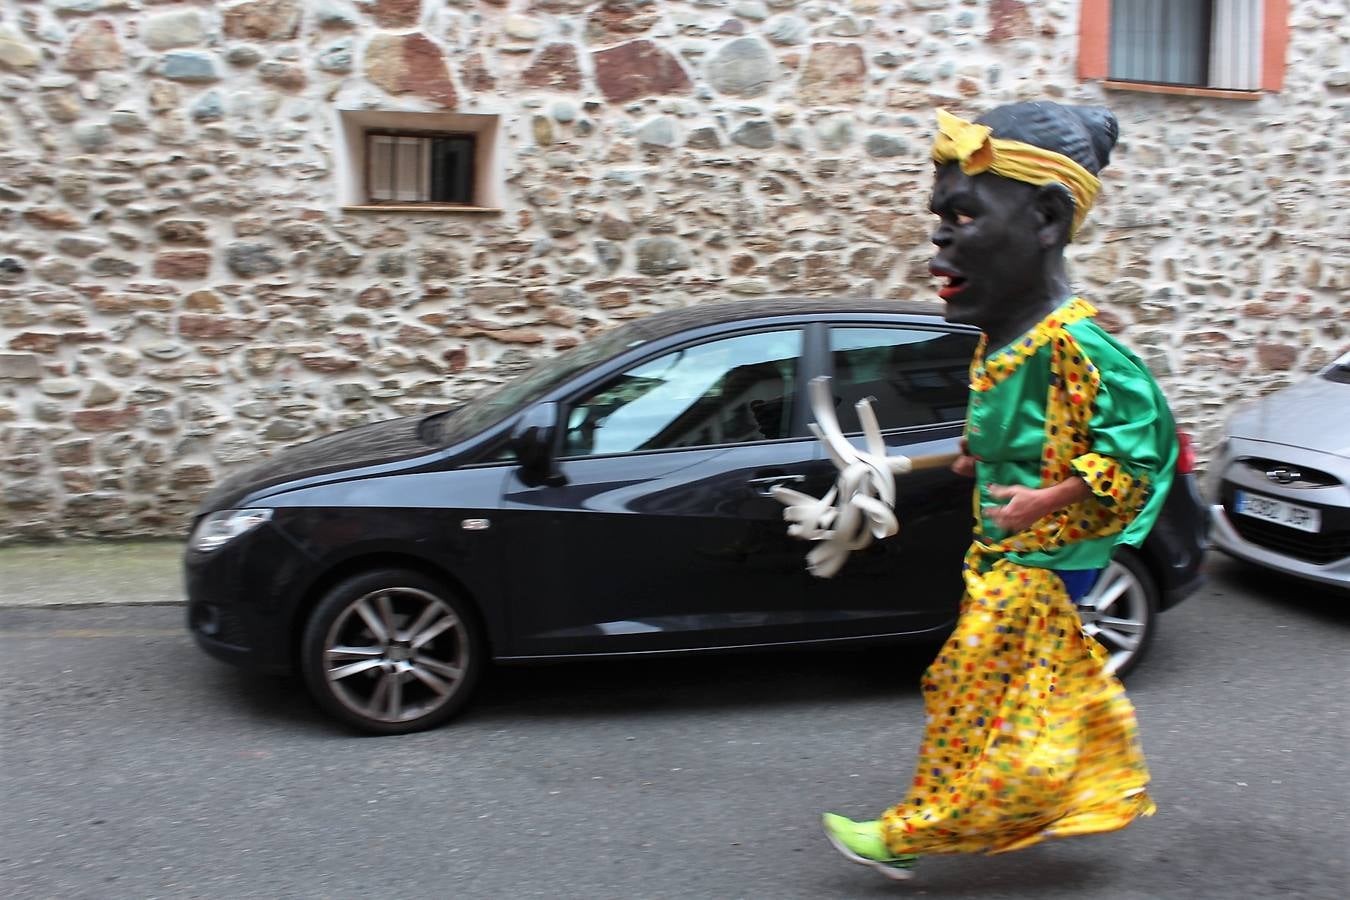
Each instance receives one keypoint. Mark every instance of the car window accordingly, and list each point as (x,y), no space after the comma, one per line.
(916,377)
(726,391)
(496,403)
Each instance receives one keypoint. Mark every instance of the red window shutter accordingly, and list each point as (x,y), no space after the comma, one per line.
(1274,42)
(1094,38)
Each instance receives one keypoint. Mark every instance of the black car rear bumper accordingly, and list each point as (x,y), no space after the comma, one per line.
(1173,595)
(1175,548)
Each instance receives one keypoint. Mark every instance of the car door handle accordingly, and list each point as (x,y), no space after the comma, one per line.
(764,486)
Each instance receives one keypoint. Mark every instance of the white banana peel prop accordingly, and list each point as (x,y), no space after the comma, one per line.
(860,508)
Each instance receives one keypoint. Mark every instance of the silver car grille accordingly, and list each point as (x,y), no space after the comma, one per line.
(1288,474)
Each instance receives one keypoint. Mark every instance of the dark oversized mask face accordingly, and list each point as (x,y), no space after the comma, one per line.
(989,250)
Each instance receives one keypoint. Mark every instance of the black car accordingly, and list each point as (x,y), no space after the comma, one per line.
(616,500)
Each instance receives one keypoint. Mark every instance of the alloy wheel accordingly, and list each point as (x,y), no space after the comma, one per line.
(1117,613)
(396,654)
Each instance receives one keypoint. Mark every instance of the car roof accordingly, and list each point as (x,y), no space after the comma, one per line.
(664,324)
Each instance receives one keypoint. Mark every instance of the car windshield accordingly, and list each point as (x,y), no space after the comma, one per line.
(500,401)
(1339,370)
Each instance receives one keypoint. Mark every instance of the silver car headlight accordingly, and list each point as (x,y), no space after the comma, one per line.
(1213,483)
(219,528)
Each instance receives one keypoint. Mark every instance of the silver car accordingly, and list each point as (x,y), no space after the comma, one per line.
(1281,480)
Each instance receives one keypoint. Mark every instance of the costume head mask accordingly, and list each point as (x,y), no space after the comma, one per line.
(1037,143)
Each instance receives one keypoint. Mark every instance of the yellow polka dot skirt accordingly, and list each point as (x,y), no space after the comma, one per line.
(1028,737)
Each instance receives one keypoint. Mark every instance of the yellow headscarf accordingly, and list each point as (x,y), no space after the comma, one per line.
(972,146)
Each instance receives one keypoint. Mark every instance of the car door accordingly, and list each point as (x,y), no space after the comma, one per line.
(658,531)
(917,379)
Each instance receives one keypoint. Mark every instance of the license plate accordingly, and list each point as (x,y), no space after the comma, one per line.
(1268,509)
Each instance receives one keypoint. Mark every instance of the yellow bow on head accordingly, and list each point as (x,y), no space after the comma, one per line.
(973,147)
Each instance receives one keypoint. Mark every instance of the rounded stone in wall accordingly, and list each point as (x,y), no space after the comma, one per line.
(610,255)
(1127,293)
(60,387)
(522,28)
(437,263)
(101,393)
(12,271)
(48,411)
(15,52)
(120,363)
(835,73)
(263,20)
(755,10)
(742,68)
(884,146)
(181,65)
(208,108)
(756,134)
(661,256)
(61,106)
(338,57)
(160,420)
(704,138)
(57,271)
(659,132)
(409,63)
(835,132)
(336,260)
(283,430)
(243,55)
(28,492)
(173,29)
(785,268)
(249,259)
(236,449)
(395,13)
(79,247)
(164,351)
(635,69)
(95,47)
(113,266)
(787,30)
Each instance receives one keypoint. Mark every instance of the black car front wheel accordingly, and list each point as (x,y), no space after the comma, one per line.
(391,651)
(1120,610)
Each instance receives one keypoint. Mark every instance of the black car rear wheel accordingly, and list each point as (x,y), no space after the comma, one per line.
(391,651)
(1120,610)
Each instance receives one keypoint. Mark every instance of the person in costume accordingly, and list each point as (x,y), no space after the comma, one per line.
(1073,449)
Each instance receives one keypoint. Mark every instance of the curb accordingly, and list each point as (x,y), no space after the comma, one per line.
(87,604)
(91,575)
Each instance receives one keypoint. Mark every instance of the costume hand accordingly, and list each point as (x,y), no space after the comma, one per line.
(1025,505)
(964,464)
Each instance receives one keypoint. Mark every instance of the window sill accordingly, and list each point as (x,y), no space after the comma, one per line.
(1181,90)
(421,208)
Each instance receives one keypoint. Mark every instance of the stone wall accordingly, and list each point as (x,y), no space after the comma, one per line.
(181,293)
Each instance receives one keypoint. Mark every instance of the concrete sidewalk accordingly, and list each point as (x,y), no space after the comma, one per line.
(78,574)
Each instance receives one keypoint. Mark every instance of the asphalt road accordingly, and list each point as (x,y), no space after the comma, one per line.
(134,766)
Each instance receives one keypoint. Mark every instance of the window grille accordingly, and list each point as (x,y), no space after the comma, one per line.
(412,168)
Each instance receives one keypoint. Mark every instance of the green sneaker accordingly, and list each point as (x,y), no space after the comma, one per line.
(862,842)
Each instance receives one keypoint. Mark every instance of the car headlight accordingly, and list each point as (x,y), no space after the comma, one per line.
(219,528)
(1213,484)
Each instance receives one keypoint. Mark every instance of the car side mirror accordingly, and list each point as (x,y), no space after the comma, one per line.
(532,444)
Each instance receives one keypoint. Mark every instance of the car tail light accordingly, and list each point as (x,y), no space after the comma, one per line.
(1185,454)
